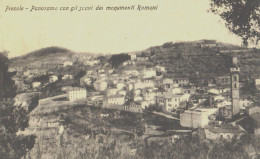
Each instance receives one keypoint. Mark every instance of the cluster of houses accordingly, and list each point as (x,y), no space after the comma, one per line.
(225,115)
(135,89)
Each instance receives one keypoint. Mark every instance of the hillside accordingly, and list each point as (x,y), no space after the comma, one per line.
(195,60)
(51,54)
(190,59)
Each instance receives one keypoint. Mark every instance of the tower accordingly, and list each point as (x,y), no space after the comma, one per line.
(234,78)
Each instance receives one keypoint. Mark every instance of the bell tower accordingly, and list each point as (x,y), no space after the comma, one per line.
(234,78)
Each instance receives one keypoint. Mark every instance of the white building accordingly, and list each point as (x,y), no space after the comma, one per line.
(132,72)
(67,63)
(149,73)
(101,71)
(198,118)
(149,95)
(160,69)
(92,62)
(223,103)
(36,84)
(100,85)
(77,93)
(136,107)
(122,92)
(128,63)
(53,78)
(142,85)
(114,100)
(213,91)
(138,98)
(257,84)
(85,81)
(110,71)
(67,77)
(175,90)
(120,85)
(132,56)
(169,102)
(112,91)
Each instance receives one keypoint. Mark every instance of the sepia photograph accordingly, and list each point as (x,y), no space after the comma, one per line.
(129,79)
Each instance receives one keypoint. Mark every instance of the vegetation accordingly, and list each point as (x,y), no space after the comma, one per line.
(190,60)
(242,17)
(12,119)
(193,147)
(7,87)
(118,59)
(46,51)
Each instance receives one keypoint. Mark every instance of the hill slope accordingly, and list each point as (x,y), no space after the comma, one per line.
(190,60)
(42,55)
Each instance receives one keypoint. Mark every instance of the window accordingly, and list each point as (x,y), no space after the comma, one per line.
(235,78)
(235,85)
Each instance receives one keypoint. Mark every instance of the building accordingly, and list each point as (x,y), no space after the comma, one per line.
(149,73)
(234,76)
(170,102)
(225,131)
(85,81)
(67,63)
(91,62)
(164,81)
(53,78)
(128,63)
(181,81)
(251,122)
(225,110)
(67,77)
(213,91)
(132,56)
(197,118)
(244,103)
(36,84)
(134,73)
(134,107)
(120,85)
(257,84)
(256,122)
(77,93)
(100,85)
(114,100)
(112,91)
(223,81)
(160,69)
(208,43)
(142,85)
(149,95)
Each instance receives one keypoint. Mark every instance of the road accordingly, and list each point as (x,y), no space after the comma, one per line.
(165,115)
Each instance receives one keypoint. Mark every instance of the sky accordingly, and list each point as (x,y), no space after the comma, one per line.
(107,31)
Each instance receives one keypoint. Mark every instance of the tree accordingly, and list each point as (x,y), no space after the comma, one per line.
(242,17)
(7,87)
(12,118)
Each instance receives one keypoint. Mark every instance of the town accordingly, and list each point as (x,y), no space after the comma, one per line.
(213,106)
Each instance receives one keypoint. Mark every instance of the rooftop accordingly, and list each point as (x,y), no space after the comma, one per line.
(226,128)
(169,95)
(77,89)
